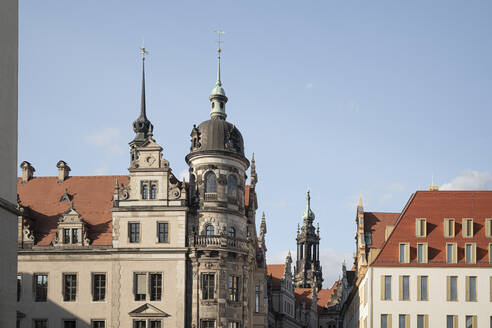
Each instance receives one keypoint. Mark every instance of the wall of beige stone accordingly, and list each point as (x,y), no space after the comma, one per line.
(8,158)
(119,268)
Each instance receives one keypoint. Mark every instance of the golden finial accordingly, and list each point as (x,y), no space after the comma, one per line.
(144,51)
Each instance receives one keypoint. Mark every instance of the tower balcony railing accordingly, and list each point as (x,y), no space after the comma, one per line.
(219,241)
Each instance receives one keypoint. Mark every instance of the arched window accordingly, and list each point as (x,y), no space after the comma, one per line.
(210,182)
(153,191)
(145,191)
(231,185)
(232,232)
(209,230)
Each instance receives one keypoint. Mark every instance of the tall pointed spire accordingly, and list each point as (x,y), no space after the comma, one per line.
(218,96)
(254,176)
(142,126)
(308,214)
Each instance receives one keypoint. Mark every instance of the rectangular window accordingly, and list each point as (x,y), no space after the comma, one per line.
(470,253)
(40,287)
(233,288)
(467,225)
(422,321)
(368,238)
(404,288)
(452,288)
(233,324)
(384,321)
(362,238)
(40,323)
(98,287)
(155,324)
(208,284)
(422,288)
(139,324)
(451,253)
(208,324)
(98,324)
(404,253)
(69,287)
(471,321)
(422,252)
(155,286)
(451,321)
(449,228)
(140,286)
(162,232)
(134,232)
(66,236)
(19,286)
(257,298)
(403,321)
(75,236)
(386,287)
(69,324)
(471,289)
(488,228)
(421,227)
(490,253)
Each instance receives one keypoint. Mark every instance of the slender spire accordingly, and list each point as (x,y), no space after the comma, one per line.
(142,126)
(263,226)
(218,96)
(254,176)
(308,213)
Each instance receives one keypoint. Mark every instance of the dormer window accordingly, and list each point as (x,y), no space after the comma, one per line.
(66,236)
(210,182)
(75,236)
(71,230)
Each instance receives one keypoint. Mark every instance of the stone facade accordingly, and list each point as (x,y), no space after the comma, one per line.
(8,158)
(146,250)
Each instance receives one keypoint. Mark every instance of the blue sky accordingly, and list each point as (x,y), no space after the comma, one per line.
(348,98)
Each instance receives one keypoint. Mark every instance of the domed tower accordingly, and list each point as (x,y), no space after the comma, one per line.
(222,238)
(308,270)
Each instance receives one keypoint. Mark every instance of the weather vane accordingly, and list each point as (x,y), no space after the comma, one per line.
(219,41)
(144,52)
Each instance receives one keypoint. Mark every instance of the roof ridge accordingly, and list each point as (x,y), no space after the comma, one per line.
(412,197)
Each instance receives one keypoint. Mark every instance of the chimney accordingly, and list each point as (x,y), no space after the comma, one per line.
(27,171)
(63,170)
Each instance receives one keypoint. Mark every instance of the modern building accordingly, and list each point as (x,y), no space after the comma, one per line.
(146,250)
(8,159)
(428,266)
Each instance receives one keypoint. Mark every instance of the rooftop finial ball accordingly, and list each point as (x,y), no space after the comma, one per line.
(219,50)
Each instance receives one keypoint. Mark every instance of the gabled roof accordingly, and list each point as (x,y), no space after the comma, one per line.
(324,295)
(376,222)
(92,199)
(435,206)
(148,310)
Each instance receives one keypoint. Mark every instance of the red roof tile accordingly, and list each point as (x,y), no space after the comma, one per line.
(435,206)
(277,272)
(376,222)
(92,199)
(324,295)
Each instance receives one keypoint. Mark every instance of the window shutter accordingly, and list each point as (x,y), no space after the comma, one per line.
(474,321)
(491,288)
(407,320)
(382,287)
(419,288)
(467,289)
(448,288)
(390,321)
(455,321)
(400,297)
(407,253)
(474,253)
(426,321)
(417,228)
(455,253)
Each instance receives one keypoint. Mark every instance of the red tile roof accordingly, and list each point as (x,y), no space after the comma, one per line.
(324,295)
(435,206)
(277,272)
(92,199)
(376,222)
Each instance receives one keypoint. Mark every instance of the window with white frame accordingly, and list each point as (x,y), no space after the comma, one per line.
(404,255)
(421,227)
(467,225)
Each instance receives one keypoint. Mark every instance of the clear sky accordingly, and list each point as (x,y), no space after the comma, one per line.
(348,98)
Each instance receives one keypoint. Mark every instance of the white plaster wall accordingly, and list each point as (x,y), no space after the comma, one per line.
(8,158)
(436,307)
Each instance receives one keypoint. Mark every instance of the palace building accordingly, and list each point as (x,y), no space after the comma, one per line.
(428,266)
(146,250)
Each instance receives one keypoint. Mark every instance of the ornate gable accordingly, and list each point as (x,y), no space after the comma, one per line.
(72,230)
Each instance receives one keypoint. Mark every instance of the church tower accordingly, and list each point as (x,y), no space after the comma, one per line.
(222,236)
(308,270)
